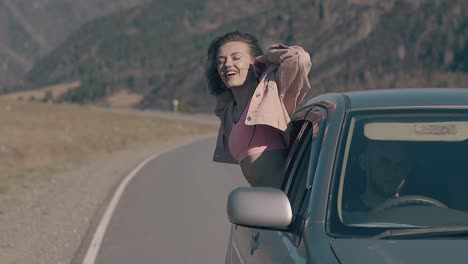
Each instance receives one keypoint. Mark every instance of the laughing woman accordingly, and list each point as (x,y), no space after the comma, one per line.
(256,94)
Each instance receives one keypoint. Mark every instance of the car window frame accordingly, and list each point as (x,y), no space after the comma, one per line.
(299,149)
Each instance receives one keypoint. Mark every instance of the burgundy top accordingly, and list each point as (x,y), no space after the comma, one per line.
(246,140)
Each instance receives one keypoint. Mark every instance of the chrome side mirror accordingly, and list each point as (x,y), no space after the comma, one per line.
(259,207)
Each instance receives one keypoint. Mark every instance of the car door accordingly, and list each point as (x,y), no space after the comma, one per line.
(239,245)
(277,246)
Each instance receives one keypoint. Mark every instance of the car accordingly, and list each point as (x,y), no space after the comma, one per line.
(374,176)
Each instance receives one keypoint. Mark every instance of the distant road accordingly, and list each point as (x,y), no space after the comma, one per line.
(173,210)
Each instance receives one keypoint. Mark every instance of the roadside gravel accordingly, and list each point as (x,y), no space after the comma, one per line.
(46,220)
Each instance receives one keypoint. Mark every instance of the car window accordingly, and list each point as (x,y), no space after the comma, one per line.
(298,188)
(303,159)
(303,135)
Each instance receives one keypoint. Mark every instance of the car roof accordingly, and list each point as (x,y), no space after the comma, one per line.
(407,98)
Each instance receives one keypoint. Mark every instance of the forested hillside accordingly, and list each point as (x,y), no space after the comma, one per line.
(30,29)
(158,49)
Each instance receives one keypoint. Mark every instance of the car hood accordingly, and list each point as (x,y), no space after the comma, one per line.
(400,251)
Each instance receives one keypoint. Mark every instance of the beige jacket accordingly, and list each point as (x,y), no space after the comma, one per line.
(281,88)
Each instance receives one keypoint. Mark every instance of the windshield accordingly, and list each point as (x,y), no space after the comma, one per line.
(404,170)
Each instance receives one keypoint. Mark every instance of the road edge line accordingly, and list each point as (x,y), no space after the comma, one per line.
(93,249)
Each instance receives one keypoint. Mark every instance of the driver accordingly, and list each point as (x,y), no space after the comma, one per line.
(386,166)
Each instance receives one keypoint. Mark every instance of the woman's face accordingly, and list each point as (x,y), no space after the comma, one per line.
(234,61)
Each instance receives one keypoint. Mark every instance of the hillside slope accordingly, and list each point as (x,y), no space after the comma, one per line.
(30,30)
(158,49)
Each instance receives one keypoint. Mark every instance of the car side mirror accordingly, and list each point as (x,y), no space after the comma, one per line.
(261,207)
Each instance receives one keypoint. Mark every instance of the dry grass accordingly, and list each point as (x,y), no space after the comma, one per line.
(37,137)
(38,94)
(123,99)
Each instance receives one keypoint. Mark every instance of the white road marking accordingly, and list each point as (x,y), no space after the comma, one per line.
(239,257)
(93,249)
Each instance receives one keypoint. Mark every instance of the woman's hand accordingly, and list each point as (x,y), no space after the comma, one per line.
(280,53)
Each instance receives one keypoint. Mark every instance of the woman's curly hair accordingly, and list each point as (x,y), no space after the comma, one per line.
(215,84)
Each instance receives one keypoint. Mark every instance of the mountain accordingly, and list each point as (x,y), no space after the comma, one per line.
(158,49)
(30,29)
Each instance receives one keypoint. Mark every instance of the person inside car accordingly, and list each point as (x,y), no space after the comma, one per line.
(386,166)
(256,94)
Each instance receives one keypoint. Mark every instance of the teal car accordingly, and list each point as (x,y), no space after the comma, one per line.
(372,177)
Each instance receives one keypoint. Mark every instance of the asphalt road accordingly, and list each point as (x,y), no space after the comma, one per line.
(173,210)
